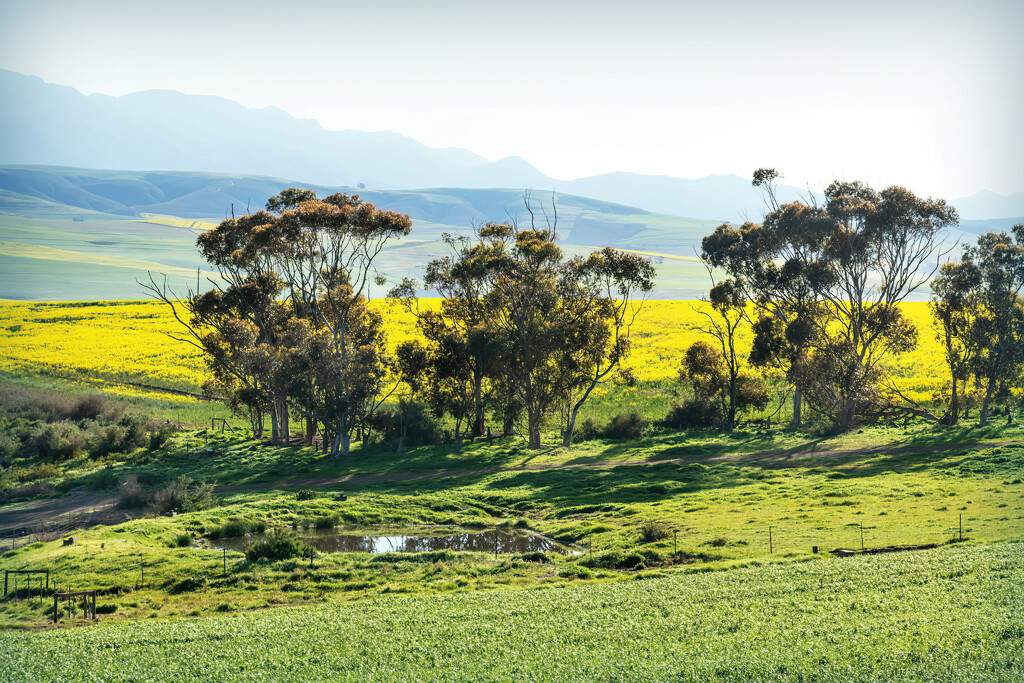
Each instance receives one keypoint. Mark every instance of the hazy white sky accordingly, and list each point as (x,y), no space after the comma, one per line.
(926,94)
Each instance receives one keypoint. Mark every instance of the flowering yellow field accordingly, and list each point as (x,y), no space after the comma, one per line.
(124,347)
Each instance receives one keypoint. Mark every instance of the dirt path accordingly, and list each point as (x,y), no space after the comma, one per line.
(93,508)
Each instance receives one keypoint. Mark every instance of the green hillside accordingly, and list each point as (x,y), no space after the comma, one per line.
(71,234)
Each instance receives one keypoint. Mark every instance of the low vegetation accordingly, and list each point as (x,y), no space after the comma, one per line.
(942,615)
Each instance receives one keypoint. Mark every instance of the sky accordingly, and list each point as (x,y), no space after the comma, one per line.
(924,94)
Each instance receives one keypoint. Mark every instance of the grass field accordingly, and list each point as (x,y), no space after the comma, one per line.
(942,615)
(719,493)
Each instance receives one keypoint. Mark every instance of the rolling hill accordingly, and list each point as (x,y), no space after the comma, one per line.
(90,234)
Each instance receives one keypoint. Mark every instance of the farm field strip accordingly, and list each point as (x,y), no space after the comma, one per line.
(122,342)
(943,615)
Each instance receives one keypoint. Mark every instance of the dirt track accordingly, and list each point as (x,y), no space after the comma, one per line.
(97,508)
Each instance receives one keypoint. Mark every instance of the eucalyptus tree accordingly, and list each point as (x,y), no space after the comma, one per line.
(958,308)
(999,357)
(310,262)
(600,298)
(839,272)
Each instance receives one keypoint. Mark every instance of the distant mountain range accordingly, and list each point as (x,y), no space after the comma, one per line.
(45,124)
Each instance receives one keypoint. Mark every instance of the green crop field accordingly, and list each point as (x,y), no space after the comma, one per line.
(942,615)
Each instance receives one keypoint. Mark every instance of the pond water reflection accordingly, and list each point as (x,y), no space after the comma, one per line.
(334,541)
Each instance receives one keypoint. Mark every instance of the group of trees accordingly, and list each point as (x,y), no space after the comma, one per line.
(525,334)
(821,288)
(977,304)
(288,329)
(521,330)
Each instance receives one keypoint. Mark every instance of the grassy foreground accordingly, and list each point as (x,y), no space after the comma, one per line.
(720,493)
(951,614)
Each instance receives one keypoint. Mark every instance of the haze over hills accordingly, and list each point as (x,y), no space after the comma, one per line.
(45,124)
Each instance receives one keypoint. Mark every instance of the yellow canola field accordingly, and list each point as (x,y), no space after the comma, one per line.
(125,346)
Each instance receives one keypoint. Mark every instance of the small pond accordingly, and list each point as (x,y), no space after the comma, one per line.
(335,541)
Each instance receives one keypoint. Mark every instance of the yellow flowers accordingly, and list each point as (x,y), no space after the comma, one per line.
(125,345)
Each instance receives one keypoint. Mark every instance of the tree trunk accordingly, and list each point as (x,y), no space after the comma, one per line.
(953,416)
(341,444)
(509,423)
(478,403)
(797,400)
(310,429)
(847,414)
(534,427)
(285,426)
(570,427)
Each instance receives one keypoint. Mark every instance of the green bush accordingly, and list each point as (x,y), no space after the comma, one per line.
(305,494)
(9,446)
(536,556)
(279,544)
(575,571)
(652,531)
(181,540)
(178,497)
(58,440)
(234,528)
(43,470)
(192,583)
(325,522)
(629,425)
(693,414)
(158,437)
(586,431)
(103,479)
(108,608)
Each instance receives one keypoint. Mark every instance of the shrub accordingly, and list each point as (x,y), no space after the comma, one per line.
(43,470)
(325,522)
(421,429)
(58,440)
(629,425)
(234,528)
(89,407)
(305,494)
(586,431)
(108,608)
(132,494)
(9,445)
(536,556)
(30,491)
(188,585)
(719,542)
(693,414)
(652,531)
(103,479)
(280,544)
(136,430)
(178,497)
(575,571)
(158,437)
(181,540)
